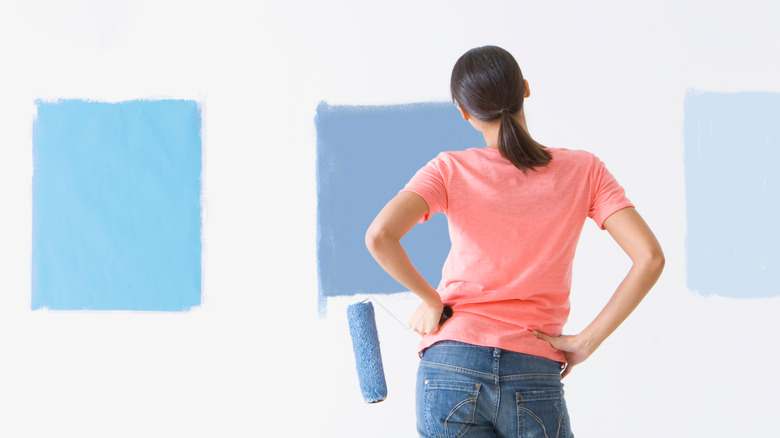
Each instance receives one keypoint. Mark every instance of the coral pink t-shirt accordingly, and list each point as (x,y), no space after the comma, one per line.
(513,240)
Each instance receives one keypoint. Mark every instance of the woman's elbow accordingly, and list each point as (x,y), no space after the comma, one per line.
(659,261)
(371,239)
(375,236)
(654,261)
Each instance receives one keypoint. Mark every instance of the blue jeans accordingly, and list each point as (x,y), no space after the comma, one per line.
(472,392)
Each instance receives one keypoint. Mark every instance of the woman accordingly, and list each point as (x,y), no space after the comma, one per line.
(515,211)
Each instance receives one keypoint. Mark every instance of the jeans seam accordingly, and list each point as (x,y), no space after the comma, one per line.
(496,381)
(456,369)
(560,422)
(531,376)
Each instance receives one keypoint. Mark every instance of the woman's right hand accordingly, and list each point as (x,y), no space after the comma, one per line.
(426,318)
(572,347)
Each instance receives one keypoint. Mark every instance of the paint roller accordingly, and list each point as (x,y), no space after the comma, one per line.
(365,343)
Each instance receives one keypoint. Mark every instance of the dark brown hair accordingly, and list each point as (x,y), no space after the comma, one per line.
(488,84)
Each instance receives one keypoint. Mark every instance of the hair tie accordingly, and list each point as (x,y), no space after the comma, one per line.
(505,110)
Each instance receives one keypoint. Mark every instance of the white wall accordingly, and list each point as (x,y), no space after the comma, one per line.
(255,359)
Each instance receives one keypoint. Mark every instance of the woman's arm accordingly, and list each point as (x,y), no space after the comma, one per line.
(383,241)
(635,238)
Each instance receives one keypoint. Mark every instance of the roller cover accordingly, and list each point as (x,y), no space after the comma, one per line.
(365,343)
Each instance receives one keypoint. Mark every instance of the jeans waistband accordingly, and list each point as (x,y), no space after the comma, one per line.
(470,358)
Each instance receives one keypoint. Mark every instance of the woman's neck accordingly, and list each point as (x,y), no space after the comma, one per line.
(490,130)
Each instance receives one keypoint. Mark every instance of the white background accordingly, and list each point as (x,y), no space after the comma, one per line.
(256,359)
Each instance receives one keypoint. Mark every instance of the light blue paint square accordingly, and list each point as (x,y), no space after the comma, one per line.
(365,155)
(116,205)
(732,151)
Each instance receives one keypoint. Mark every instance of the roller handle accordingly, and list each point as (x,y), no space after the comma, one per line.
(446,314)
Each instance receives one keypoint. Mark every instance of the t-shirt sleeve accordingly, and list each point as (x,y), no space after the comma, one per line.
(607,196)
(429,183)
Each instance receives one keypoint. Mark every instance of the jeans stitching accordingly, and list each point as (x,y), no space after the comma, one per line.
(539,375)
(458,406)
(456,369)
(560,422)
(431,425)
(536,417)
(497,383)
(531,376)
(522,409)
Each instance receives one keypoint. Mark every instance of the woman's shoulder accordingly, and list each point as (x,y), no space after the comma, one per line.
(488,152)
(477,153)
(574,154)
(455,156)
(574,157)
(492,157)
(465,152)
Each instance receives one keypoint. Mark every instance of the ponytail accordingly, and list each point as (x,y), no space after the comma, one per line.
(488,84)
(517,146)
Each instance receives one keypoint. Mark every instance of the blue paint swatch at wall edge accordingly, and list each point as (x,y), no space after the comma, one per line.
(116,205)
(732,151)
(365,155)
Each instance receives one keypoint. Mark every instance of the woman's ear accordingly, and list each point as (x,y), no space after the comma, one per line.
(466,116)
(527,89)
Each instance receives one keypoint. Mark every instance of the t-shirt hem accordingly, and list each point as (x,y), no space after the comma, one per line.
(612,210)
(427,202)
(547,353)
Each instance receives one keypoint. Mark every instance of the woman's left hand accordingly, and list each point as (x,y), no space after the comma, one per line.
(573,348)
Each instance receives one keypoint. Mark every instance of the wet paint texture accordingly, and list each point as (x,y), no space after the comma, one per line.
(365,155)
(732,151)
(116,205)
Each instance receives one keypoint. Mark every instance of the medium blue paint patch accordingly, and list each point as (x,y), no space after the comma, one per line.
(116,206)
(365,155)
(732,151)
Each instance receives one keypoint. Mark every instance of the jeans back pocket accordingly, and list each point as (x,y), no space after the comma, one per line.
(540,413)
(450,407)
